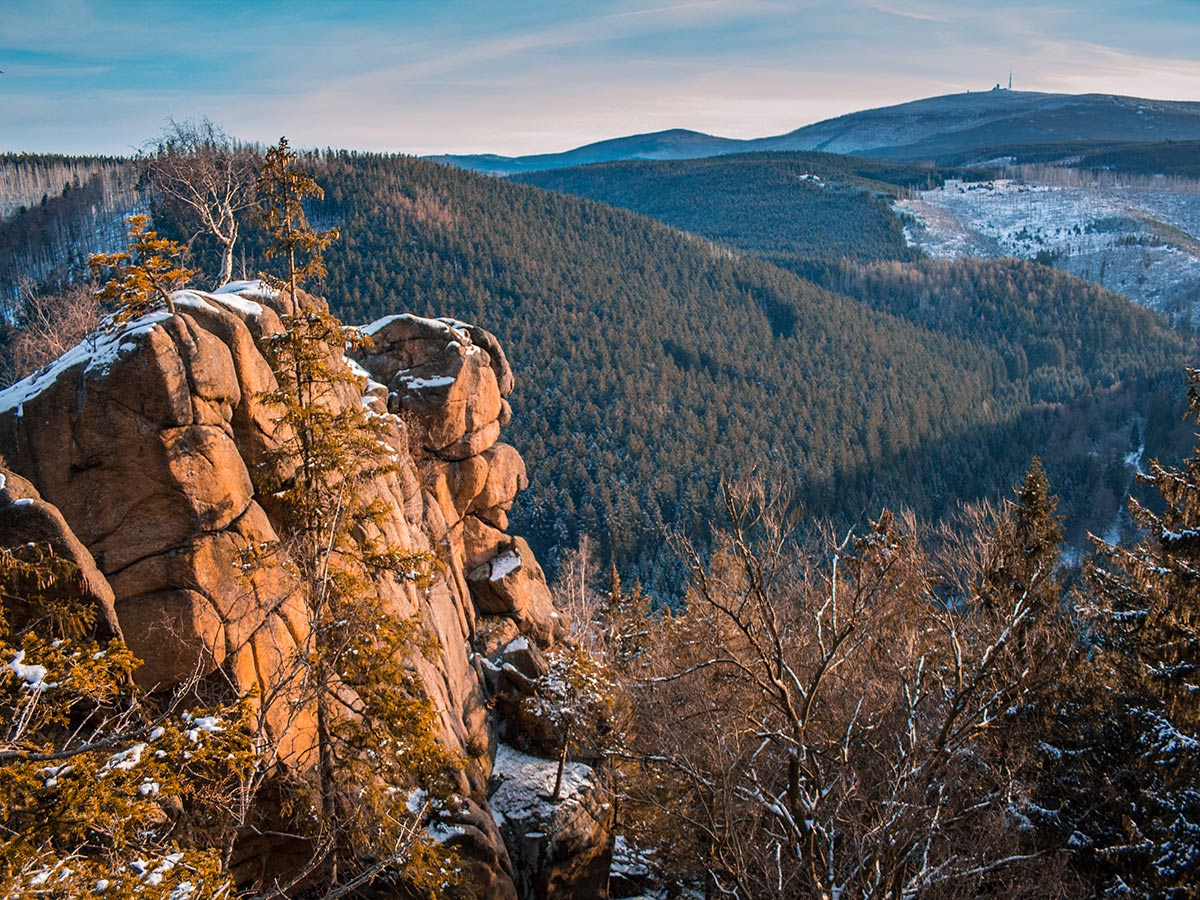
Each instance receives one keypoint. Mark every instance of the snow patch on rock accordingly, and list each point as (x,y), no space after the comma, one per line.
(95,353)
(523,785)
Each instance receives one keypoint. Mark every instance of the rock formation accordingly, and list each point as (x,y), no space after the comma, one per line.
(135,454)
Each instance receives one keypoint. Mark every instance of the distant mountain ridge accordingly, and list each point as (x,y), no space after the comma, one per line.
(927,129)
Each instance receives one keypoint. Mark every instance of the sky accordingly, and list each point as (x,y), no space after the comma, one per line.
(532,76)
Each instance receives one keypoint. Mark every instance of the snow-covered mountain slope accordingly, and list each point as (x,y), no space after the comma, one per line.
(937,126)
(931,128)
(1138,237)
(60,210)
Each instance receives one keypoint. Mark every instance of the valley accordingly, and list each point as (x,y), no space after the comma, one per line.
(677,516)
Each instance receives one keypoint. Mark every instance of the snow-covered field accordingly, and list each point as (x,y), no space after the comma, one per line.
(1133,238)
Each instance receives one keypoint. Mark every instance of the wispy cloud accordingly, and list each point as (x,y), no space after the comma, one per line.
(529,76)
(929,14)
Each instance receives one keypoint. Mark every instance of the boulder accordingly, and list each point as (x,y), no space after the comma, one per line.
(457,484)
(505,477)
(525,658)
(25,517)
(560,849)
(436,372)
(513,584)
(175,633)
(471,443)
(483,856)
(253,419)
(481,542)
(110,437)
(493,634)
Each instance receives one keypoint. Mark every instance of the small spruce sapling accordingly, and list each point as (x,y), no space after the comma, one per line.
(143,275)
(282,190)
(575,698)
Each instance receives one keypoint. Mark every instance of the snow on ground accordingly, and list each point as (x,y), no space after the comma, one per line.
(96,353)
(1132,238)
(524,783)
(629,860)
(416,383)
(254,288)
(219,299)
(504,565)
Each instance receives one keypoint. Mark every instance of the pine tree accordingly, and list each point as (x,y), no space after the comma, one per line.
(624,624)
(1145,604)
(143,275)
(103,791)
(1037,532)
(376,740)
(282,189)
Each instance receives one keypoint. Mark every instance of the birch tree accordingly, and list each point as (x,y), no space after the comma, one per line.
(201,171)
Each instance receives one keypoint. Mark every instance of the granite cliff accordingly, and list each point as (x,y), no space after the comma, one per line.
(136,454)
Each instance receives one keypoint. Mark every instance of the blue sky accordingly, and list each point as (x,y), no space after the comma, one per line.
(526,76)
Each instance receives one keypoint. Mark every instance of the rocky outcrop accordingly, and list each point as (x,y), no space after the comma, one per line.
(559,847)
(24,518)
(138,452)
(449,381)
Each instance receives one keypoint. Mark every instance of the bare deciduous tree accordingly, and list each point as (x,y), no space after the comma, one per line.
(575,589)
(836,720)
(47,326)
(209,176)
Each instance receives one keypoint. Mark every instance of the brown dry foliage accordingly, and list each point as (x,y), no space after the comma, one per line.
(848,716)
(49,324)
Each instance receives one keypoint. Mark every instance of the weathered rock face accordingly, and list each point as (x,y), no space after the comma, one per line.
(25,517)
(449,381)
(142,445)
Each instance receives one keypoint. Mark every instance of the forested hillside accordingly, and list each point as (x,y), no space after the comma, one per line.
(782,206)
(849,699)
(56,210)
(1167,158)
(652,364)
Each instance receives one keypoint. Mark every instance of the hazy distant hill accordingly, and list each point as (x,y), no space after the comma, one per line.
(678,143)
(933,128)
(57,210)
